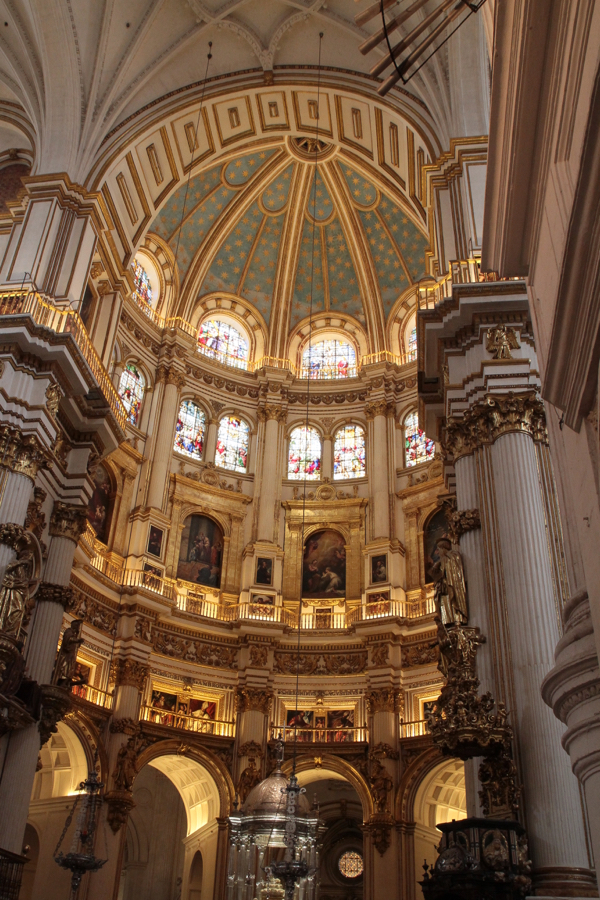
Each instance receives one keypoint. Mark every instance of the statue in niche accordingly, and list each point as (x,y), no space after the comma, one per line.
(249,778)
(381,784)
(500,341)
(19,583)
(450,588)
(66,661)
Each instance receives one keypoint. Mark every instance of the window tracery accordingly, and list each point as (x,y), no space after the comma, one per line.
(329,359)
(232,444)
(418,447)
(349,452)
(351,864)
(304,458)
(141,283)
(222,341)
(131,391)
(189,431)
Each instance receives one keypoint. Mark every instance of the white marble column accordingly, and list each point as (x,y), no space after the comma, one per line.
(327,457)
(211,440)
(253,711)
(15,494)
(270,416)
(163,450)
(66,525)
(378,470)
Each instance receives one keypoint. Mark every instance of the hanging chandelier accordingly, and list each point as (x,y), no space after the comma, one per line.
(80,858)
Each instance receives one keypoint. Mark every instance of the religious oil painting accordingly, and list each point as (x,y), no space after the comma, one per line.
(435,528)
(163,701)
(299,718)
(201,551)
(155,540)
(152,577)
(324,566)
(99,507)
(338,719)
(201,709)
(379,569)
(264,570)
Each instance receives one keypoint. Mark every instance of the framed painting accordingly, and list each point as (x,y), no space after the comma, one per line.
(264,570)
(155,541)
(299,718)
(435,528)
(201,551)
(379,569)
(324,566)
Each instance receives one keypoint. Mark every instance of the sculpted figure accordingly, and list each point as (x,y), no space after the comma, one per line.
(125,770)
(450,588)
(249,778)
(381,784)
(14,593)
(66,661)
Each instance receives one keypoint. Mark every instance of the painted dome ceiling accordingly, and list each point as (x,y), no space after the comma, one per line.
(262,227)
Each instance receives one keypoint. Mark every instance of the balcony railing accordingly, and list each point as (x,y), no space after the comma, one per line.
(93,695)
(187,723)
(414,729)
(11,873)
(318,735)
(385,609)
(65,321)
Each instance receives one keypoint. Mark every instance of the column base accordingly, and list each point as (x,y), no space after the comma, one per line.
(562,881)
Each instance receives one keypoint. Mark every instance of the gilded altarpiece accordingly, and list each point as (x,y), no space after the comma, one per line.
(227,508)
(345,516)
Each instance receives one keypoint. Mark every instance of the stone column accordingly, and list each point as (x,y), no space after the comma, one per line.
(270,480)
(66,526)
(21,457)
(378,469)
(572,690)
(165,424)
(327,457)
(211,440)
(522,623)
(252,729)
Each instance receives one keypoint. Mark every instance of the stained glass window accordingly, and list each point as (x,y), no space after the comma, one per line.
(351,864)
(418,447)
(232,444)
(221,341)
(131,391)
(141,283)
(349,452)
(304,460)
(189,431)
(412,344)
(329,359)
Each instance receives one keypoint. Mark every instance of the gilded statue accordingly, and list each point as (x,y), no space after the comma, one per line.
(66,661)
(249,778)
(450,587)
(17,586)
(500,341)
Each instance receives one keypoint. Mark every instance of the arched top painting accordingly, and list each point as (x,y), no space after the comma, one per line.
(100,505)
(201,552)
(435,528)
(324,568)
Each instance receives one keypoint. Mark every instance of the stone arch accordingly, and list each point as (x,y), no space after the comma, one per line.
(93,747)
(338,766)
(404,805)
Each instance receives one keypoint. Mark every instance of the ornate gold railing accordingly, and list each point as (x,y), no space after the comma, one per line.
(318,735)
(93,695)
(187,723)
(64,321)
(413,729)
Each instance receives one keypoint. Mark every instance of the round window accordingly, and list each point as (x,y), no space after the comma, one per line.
(350,864)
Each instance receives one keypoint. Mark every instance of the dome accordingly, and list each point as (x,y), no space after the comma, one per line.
(269,799)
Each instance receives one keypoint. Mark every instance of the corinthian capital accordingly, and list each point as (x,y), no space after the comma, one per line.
(270,411)
(378,408)
(22,453)
(383,700)
(253,699)
(68,521)
(129,672)
(495,415)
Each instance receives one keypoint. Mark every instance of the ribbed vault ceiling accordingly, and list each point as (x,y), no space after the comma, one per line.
(267,227)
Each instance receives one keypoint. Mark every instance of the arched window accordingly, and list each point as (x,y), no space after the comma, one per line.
(232,444)
(222,341)
(418,447)
(141,283)
(189,431)
(131,391)
(329,359)
(349,452)
(304,459)
(412,343)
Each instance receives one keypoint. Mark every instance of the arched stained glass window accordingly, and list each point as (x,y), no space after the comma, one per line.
(131,391)
(304,460)
(412,344)
(223,342)
(349,452)
(418,447)
(232,444)
(141,282)
(189,431)
(329,359)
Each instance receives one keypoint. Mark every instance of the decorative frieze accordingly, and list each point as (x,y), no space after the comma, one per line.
(320,664)
(55,593)
(216,655)
(258,656)
(419,655)
(247,699)
(68,521)
(94,613)
(495,415)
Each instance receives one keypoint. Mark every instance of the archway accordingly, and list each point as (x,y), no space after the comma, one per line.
(440,797)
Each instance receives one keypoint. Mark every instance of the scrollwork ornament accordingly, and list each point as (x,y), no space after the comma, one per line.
(53,398)
(56,703)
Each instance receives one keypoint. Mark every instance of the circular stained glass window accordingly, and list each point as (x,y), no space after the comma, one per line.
(351,864)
